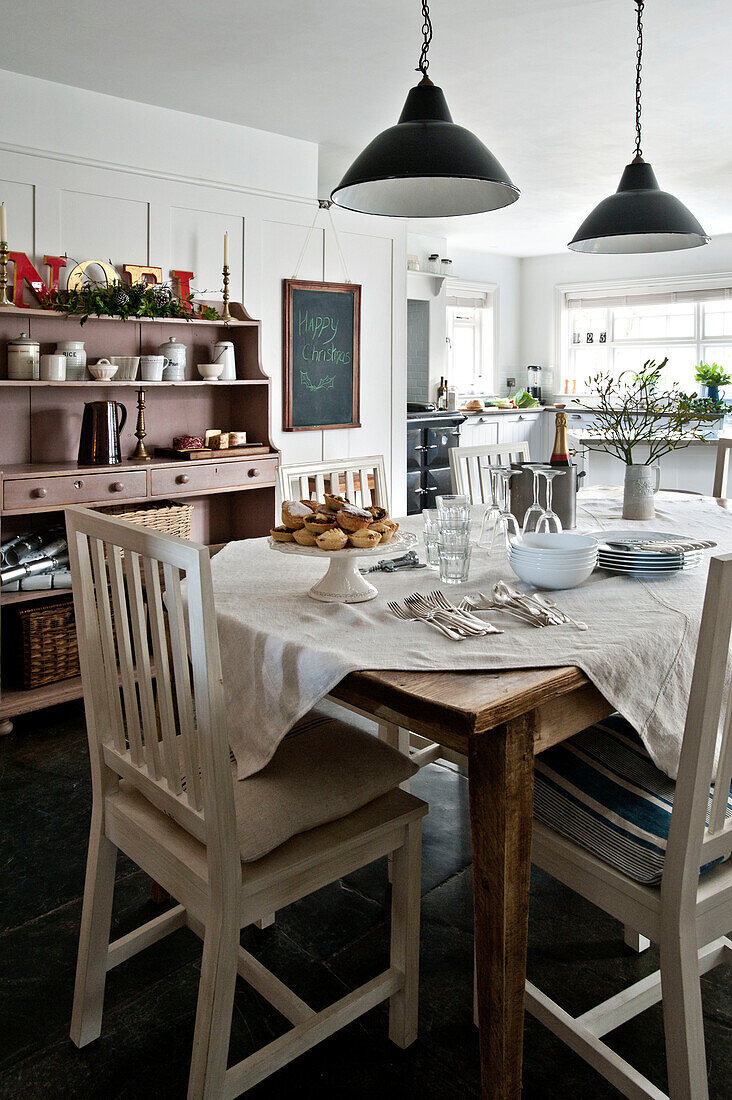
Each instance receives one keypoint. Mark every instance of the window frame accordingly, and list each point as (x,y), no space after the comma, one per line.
(487,380)
(606,294)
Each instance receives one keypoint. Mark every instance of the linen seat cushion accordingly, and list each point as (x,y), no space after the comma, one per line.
(601,790)
(323,769)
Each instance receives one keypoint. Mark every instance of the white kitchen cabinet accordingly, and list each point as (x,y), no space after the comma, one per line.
(520,426)
(479,429)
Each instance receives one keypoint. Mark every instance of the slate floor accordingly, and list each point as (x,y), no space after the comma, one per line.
(322,946)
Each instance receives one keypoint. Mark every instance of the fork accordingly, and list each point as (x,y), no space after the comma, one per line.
(439,600)
(403,613)
(421,606)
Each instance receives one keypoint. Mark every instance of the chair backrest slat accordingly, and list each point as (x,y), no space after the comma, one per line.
(700,829)
(106,630)
(138,618)
(166,711)
(295,481)
(182,678)
(473,483)
(363,477)
(173,708)
(124,648)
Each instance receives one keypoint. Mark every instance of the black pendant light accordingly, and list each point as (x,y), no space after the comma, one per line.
(426,166)
(639,217)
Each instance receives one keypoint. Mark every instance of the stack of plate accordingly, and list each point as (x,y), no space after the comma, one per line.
(562,560)
(647,562)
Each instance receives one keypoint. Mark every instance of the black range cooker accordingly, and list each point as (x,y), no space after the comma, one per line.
(430,435)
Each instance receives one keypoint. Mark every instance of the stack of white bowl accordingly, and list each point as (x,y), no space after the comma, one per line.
(562,560)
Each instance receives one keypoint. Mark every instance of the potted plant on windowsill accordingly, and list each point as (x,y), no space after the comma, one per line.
(634,410)
(710,377)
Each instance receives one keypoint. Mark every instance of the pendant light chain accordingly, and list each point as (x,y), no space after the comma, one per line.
(638,68)
(424,64)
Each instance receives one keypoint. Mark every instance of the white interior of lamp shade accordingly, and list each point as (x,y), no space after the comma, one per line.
(425,197)
(624,243)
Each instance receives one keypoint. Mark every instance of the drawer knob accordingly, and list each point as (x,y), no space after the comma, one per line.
(116,486)
(182,479)
(40,492)
(254,472)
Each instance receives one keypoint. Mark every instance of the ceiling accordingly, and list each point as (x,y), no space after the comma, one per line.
(546,84)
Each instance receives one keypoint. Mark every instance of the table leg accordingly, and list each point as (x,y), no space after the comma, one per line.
(501,775)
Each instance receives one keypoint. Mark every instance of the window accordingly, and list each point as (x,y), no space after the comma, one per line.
(621,332)
(470,338)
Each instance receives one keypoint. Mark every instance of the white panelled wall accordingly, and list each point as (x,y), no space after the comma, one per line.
(104,178)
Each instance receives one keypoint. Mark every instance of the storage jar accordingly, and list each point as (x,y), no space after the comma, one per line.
(24,358)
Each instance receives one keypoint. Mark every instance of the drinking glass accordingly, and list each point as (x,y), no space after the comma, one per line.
(493,511)
(549,520)
(535,512)
(453,512)
(454,556)
(431,535)
(506,521)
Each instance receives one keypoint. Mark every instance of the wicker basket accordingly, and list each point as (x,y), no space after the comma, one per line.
(166,515)
(48,651)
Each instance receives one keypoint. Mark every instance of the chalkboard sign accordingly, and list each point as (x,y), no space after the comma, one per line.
(322,331)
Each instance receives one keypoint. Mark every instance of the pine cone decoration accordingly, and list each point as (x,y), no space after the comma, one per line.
(119,300)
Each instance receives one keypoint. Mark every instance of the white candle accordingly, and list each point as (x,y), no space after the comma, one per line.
(226,249)
(3,223)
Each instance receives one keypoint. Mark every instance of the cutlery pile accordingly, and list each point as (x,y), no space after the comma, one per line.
(459,621)
(435,609)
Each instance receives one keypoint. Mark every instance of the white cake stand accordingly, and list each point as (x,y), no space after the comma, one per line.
(342,582)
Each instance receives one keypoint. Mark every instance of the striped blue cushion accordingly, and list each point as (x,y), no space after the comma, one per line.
(601,790)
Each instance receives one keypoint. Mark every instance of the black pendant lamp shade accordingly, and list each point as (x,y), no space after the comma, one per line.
(639,217)
(425,167)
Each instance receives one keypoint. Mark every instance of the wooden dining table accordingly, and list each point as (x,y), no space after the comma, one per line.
(499,721)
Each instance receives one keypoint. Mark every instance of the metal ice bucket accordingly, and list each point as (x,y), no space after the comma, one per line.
(564,493)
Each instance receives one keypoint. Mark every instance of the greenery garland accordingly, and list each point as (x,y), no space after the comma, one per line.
(125,301)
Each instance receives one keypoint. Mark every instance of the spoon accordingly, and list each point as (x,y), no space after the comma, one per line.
(552,606)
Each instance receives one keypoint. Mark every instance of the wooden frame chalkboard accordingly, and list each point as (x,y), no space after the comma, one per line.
(321,355)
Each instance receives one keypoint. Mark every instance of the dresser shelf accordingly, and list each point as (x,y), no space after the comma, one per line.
(233,498)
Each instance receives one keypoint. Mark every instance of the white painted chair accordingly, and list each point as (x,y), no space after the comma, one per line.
(229,852)
(721,469)
(350,477)
(688,915)
(468,471)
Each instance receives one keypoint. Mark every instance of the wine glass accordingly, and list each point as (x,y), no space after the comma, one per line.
(535,512)
(493,511)
(506,520)
(549,520)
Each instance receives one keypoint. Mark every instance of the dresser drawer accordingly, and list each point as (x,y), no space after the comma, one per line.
(24,494)
(191,477)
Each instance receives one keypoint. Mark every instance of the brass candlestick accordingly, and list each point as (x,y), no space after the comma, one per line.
(225,315)
(4,300)
(140,450)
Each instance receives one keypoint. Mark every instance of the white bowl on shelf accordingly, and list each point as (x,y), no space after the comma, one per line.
(551,574)
(103,371)
(210,371)
(126,365)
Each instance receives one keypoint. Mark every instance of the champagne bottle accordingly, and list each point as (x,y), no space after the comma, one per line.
(560,451)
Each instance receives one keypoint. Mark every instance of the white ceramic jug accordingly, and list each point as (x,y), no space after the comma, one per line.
(641,483)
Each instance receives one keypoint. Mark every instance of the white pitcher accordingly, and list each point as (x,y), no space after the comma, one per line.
(641,484)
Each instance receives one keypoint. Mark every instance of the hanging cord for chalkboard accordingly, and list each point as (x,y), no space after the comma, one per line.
(323,204)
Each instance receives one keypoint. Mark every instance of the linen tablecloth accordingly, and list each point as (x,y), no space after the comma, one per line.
(282,651)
